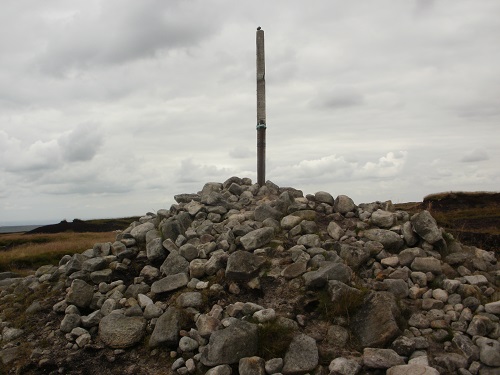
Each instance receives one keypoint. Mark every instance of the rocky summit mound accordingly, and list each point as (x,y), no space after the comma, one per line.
(242,279)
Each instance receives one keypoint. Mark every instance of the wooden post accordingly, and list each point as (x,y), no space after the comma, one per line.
(261,109)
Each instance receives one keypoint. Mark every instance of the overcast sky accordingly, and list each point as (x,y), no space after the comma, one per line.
(110,108)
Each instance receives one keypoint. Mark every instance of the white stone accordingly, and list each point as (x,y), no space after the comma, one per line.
(265,315)
(440,295)
(487,256)
(381,358)
(83,340)
(344,366)
(144,300)
(422,360)
(202,285)
(493,307)
(476,279)
(274,365)
(335,231)
(412,369)
(451,285)
(383,219)
(489,351)
(10,333)
(187,344)
(390,261)
(288,222)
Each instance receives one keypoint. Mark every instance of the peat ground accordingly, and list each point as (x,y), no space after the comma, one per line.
(472,217)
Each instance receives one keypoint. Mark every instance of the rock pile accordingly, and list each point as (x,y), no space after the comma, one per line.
(262,280)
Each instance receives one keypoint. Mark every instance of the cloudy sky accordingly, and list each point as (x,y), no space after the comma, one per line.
(109,108)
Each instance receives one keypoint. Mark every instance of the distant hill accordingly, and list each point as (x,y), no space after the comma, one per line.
(79,226)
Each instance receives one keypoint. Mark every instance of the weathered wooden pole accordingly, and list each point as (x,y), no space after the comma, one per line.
(261,109)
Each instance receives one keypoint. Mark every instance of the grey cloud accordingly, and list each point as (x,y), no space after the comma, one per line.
(126,32)
(40,156)
(475,156)
(423,6)
(90,186)
(338,99)
(241,153)
(103,176)
(82,143)
(190,172)
(339,168)
(36,157)
(478,111)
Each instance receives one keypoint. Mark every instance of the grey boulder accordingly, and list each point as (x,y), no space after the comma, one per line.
(413,369)
(391,240)
(242,265)
(257,238)
(228,346)
(381,358)
(80,294)
(169,283)
(166,331)
(119,331)
(375,323)
(426,227)
(343,204)
(302,355)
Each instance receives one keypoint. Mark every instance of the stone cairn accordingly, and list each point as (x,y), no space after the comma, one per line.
(201,282)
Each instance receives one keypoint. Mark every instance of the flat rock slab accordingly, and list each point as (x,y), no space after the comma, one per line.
(427,264)
(374,324)
(228,346)
(9,355)
(302,356)
(242,265)
(305,214)
(412,370)
(257,238)
(174,263)
(167,328)
(344,366)
(169,283)
(493,307)
(381,358)
(391,240)
(119,331)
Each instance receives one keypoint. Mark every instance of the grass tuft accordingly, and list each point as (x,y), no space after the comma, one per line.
(345,304)
(274,340)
